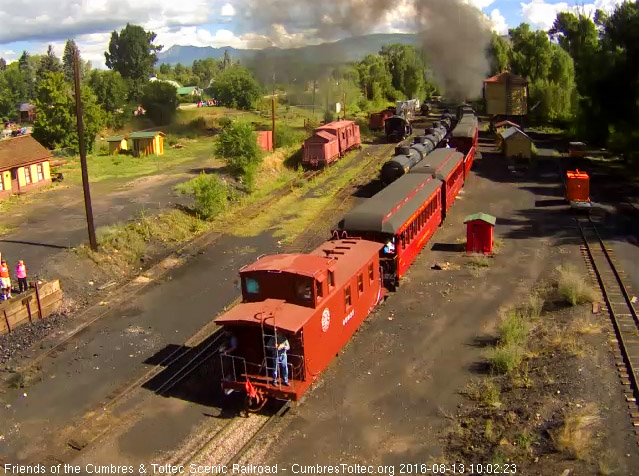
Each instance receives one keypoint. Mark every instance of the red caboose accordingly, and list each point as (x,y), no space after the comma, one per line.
(446,165)
(314,301)
(330,142)
(377,120)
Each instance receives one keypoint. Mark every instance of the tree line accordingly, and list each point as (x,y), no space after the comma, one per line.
(583,72)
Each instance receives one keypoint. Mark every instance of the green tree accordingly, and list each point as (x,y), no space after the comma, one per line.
(205,70)
(67,60)
(531,55)
(3,64)
(375,78)
(165,69)
(133,54)
(110,89)
(236,87)
(28,74)
(406,69)
(209,193)
(160,101)
(49,63)
(237,145)
(55,124)
(7,104)
(226,61)
(499,53)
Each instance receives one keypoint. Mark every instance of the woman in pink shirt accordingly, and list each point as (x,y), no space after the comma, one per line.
(21,271)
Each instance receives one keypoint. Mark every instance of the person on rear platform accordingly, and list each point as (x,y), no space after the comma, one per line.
(279,347)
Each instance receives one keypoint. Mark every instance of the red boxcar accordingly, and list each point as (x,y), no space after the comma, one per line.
(329,142)
(403,216)
(464,138)
(446,165)
(377,120)
(265,140)
(315,301)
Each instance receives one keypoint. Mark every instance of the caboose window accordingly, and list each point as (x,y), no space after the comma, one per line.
(360,283)
(371,272)
(252,286)
(304,291)
(319,289)
(331,279)
(347,296)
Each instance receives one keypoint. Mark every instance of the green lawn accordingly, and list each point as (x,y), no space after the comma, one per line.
(105,167)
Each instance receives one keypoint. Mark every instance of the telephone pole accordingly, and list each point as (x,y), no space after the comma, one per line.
(344,105)
(83,153)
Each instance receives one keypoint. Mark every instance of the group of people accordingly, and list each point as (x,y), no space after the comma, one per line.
(5,279)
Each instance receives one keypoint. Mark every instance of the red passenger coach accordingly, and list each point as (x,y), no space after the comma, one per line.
(464,138)
(315,301)
(446,165)
(329,142)
(403,216)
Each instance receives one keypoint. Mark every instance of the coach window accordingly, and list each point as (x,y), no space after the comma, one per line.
(360,283)
(403,237)
(347,296)
(371,273)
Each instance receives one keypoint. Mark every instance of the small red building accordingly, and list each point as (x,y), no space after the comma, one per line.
(265,140)
(479,233)
(577,186)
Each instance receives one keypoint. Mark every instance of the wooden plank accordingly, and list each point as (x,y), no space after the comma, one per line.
(21,315)
(17,304)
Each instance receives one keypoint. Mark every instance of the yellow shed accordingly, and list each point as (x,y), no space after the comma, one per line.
(516,143)
(145,143)
(506,94)
(24,165)
(116,144)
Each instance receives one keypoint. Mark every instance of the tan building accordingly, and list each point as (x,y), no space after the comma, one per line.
(145,143)
(116,144)
(515,143)
(506,94)
(24,165)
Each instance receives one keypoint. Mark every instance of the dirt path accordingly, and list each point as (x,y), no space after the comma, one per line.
(54,220)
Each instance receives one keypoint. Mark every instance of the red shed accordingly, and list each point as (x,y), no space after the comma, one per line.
(479,233)
(316,301)
(265,140)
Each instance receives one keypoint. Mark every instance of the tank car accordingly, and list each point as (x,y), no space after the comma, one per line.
(406,158)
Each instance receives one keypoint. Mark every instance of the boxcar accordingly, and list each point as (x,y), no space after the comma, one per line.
(464,138)
(329,142)
(377,120)
(446,165)
(316,301)
(403,216)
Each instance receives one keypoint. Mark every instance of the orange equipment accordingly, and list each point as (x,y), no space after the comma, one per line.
(577,186)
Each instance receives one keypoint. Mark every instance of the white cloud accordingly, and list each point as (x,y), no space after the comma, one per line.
(498,22)
(228,10)
(542,15)
(480,4)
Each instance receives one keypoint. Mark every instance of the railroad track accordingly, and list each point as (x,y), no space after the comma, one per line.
(621,310)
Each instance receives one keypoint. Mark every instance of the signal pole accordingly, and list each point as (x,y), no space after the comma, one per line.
(83,153)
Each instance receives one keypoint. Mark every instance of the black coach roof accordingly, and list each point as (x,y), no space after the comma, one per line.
(440,163)
(390,209)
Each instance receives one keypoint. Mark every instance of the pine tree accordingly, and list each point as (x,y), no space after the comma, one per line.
(25,68)
(3,64)
(49,63)
(67,60)
(226,62)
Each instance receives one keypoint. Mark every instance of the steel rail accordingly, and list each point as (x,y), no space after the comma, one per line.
(605,290)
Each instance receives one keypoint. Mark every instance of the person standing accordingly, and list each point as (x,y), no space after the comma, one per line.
(21,272)
(279,346)
(5,280)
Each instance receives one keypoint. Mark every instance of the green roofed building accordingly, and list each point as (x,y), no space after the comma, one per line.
(188,91)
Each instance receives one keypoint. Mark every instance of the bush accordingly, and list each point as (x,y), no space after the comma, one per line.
(329,116)
(286,136)
(237,144)
(505,358)
(573,288)
(513,330)
(209,192)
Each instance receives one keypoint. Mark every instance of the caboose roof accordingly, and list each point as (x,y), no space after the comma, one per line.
(275,312)
(335,125)
(322,136)
(302,264)
(390,209)
(348,256)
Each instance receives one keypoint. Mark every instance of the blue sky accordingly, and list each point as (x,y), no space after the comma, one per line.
(238,23)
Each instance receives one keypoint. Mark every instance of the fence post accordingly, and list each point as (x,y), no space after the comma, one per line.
(37,293)
(6,319)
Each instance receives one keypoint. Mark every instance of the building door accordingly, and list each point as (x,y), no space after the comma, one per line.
(15,186)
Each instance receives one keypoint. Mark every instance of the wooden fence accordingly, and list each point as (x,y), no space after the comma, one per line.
(37,303)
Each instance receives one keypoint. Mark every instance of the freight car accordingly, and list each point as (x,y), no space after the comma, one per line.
(407,157)
(402,217)
(464,138)
(313,301)
(397,128)
(377,120)
(330,142)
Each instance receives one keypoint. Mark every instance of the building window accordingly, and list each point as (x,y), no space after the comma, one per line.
(1,183)
(360,283)
(371,272)
(40,172)
(347,297)
(27,174)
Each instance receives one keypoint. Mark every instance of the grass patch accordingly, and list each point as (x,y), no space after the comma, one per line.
(573,288)
(563,339)
(504,359)
(532,306)
(478,261)
(575,437)
(6,229)
(126,166)
(514,329)
(486,392)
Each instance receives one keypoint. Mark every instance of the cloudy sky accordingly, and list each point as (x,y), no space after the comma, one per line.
(32,24)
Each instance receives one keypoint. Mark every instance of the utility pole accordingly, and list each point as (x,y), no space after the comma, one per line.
(83,152)
(344,105)
(314,87)
(273,112)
